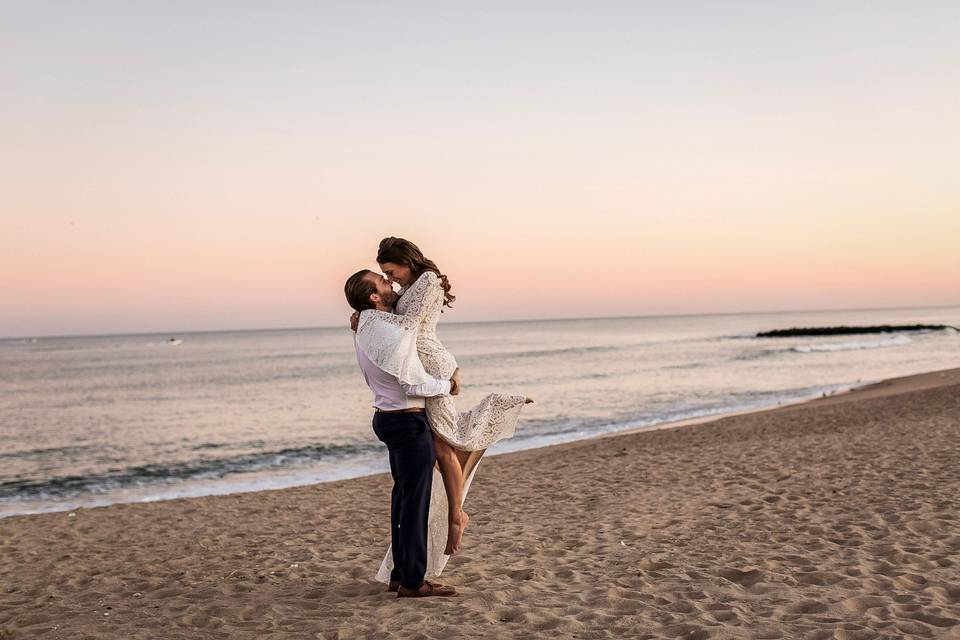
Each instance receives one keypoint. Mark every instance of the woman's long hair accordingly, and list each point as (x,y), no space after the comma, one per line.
(404,252)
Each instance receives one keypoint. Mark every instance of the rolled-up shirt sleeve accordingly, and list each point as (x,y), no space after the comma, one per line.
(427,389)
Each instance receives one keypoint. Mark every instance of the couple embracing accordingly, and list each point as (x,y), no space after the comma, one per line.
(413,378)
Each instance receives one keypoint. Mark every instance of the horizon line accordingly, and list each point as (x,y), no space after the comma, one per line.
(517,320)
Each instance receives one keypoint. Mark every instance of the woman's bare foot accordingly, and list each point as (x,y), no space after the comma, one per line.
(455,533)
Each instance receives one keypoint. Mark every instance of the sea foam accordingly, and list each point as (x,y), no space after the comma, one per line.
(852,346)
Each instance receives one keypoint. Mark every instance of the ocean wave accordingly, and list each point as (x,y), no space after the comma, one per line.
(46,451)
(535,353)
(733,403)
(852,346)
(295,466)
(171,342)
(756,355)
(175,472)
(686,365)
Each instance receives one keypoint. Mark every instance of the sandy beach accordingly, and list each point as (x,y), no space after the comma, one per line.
(836,518)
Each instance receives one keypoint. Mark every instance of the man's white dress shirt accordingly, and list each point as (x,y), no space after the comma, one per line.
(389,394)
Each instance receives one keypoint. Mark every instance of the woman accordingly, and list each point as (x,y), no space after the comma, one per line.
(425,292)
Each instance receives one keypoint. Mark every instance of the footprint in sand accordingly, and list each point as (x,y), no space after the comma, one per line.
(522,574)
(686,631)
(949,595)
(910,581)
(512,614)
(819,578)
(743,578)
(806,606)
(933,619)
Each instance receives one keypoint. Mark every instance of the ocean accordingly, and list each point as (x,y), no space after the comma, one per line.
(88,421)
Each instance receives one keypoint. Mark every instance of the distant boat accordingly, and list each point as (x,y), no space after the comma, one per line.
(174,342)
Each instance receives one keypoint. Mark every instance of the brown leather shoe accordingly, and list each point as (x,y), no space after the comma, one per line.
(426,590)
(395,585)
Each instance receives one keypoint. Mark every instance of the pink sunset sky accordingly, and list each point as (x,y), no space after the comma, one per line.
(172,167)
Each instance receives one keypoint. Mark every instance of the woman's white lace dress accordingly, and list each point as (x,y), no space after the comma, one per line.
(493,419)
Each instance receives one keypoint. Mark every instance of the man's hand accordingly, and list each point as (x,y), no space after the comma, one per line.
(455,382)
(354,321)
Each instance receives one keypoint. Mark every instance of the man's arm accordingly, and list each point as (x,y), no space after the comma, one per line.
(428,389)
(434,387)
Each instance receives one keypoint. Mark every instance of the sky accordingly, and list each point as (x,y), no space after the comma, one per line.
(173,166)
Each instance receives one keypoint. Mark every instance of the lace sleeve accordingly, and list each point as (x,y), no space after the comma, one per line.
(425,297)
(391,346)
(407,323)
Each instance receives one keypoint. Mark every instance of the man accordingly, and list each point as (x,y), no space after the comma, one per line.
(400,422)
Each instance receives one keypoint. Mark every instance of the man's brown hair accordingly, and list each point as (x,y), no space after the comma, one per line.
(359,289)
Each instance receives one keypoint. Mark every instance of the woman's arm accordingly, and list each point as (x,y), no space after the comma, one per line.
(408,323)
(426,297)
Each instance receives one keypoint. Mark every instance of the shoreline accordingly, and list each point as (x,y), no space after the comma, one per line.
(913,381)
(268,481)
(832,518)
(280,482)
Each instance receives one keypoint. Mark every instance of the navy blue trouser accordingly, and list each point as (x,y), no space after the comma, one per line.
(410,442)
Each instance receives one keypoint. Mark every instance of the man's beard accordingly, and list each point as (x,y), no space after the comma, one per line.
(390,299)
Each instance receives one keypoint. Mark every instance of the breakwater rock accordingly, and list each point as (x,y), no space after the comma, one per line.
(843,330)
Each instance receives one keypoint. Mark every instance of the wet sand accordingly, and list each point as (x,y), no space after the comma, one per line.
(835,518)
